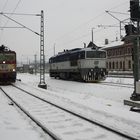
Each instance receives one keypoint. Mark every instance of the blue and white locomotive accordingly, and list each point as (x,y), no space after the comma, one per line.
(86,64)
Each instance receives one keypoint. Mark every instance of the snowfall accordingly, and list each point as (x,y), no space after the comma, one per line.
(14,125)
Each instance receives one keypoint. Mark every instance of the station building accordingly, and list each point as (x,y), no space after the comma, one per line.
(119,56)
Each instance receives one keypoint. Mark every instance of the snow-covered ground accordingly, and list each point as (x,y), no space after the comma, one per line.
(14,125)
(92,95)
(86,92)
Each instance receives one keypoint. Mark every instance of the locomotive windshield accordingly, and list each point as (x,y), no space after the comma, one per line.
(95,54)
(7,57)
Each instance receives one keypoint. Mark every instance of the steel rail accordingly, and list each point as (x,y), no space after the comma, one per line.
(80,116)
(53,136)
(117,84)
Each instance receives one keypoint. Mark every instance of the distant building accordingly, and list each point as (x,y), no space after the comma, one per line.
(119,56)
(25,68)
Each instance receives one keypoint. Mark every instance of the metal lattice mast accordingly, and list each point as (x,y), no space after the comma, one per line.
(42,83)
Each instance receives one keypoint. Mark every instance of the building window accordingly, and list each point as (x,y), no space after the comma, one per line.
(124,65)
(126,50)
(129,64)
(116,65)
(120,52)
(113,65)
(129,50)
(112,52)
(109,53)
(120,64)
(109,65)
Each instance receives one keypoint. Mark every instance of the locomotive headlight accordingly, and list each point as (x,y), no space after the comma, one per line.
(14,70)
(3,62)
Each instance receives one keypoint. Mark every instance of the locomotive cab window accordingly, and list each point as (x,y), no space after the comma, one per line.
(95,54)
(2,57)
(10,57)
(7,57)
(82,55)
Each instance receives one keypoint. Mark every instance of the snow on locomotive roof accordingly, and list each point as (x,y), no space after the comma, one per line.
(66,52)
(77,50)
(3,48)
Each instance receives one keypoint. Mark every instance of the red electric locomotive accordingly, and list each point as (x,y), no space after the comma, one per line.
(7,65)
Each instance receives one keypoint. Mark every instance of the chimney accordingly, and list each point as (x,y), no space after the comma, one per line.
(106,41)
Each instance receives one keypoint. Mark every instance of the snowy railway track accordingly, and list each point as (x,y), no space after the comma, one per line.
(59,122)
(117,84)
(50,135)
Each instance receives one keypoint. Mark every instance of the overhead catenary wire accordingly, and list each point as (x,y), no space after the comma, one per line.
(68,42)
(5,5)
(13,11)
(109,12)
(58,40)
(87,22)
(123,3)
(1,18)
(119,13)
(22,14)
(78,38)
(1,27)
(80,26)
(20,24)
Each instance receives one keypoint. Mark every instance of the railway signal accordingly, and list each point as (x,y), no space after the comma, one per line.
(135,37)
(134,10)
(130,29)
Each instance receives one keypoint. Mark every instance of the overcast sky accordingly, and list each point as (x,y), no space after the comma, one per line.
(68,24)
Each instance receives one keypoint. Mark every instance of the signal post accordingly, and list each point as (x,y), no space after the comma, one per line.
(135,17)
(135,39)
